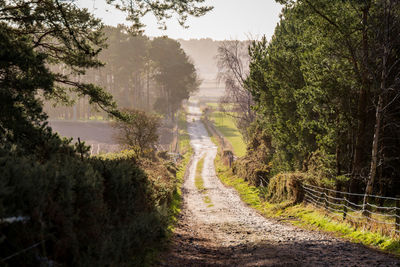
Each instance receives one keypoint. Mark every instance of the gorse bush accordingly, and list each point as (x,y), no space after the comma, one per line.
(96,211)
(286,187)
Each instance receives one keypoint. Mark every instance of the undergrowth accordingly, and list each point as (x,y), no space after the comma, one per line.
(186,149)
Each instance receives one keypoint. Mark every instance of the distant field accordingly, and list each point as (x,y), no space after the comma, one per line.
(99,135)
(226,106)
(225,124)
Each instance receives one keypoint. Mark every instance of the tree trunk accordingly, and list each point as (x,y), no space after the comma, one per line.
(375,146)
(361,108)
(378,115)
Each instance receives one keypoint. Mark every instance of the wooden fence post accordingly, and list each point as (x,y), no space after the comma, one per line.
(345,208)
(305,199)
(325,199)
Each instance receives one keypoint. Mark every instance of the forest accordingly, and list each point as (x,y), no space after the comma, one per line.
(152,75)
(326,93)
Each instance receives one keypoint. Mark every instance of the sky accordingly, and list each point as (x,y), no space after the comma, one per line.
(230,19)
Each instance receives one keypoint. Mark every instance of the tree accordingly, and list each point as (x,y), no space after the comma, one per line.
(162,10)
(22,74)
(387,81)
(233,70)
(64,41)
(174,73)
(299,84)
(139,132)
(326,91)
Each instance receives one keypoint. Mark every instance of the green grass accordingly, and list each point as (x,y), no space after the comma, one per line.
(303,215)
(198,180)
(208,201)
(214,105)
(183,136)
(199,183)
(226,125)
(184,145)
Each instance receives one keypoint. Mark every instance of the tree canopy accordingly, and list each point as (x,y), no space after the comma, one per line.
(326,91)
(48,46)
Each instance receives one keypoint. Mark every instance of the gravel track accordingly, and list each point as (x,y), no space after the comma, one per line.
(226,232)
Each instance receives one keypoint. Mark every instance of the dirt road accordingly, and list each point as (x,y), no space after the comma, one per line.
(226,232)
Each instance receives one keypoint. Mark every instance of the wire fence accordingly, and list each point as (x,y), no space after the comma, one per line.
(358,209)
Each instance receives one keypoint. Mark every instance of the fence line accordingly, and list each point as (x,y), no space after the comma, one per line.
(352,194)
(22,251)
(339,205)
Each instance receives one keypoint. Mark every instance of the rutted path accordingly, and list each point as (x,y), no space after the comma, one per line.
(231,234)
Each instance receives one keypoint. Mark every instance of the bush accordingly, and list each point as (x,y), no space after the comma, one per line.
(286,187)
(138,132)
(256,167)
(97,211)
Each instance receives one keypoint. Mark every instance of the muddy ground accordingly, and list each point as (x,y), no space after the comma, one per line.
(222,231)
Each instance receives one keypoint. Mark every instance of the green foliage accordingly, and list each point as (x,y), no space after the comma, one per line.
(303,90)
(162,10)
(314,85)
(303,216)
(285,187)
(256,166)
(186,149)
(76,211)
(101,211)
(24,73)
(138,131)
(175,73)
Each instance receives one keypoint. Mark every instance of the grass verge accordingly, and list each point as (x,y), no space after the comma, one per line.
(175,207)
(303,215)
(186,149)
(226,125)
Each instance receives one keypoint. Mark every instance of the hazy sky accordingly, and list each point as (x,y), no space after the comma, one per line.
(230,19)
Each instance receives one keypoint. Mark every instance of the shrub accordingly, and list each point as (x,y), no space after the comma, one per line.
(97,211)
(286,187)
(138,132)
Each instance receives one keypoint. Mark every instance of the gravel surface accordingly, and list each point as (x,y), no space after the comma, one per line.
(226,232)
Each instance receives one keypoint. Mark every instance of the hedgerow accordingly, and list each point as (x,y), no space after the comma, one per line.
(81,211)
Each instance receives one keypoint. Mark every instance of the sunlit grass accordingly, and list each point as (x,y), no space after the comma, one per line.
(199,183)
(183,135)
(226,106)
(303,215)
(226,125)
(184,145)
(208,201)
(198,180)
